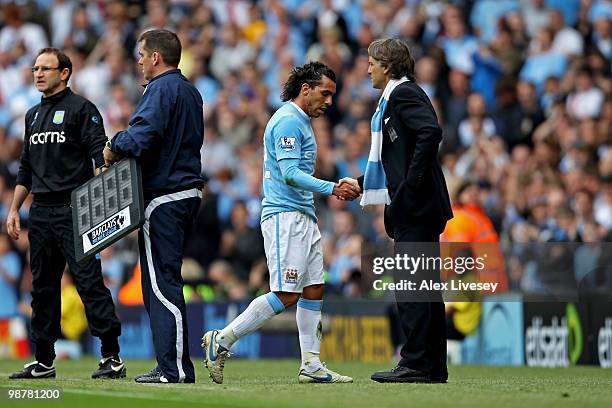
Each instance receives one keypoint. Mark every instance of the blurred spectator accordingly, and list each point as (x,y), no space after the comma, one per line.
(231,53)
(426,72)
(217,154)
(330,49)
(602,32)
(119,30)
(471,224)
(477,125)
(61,19)
(355,158)
(226,283)
(82,34)
(342,251)
(568,8)
(203,244)
(112,272)
(458,44)
(455,108)
(603,204)
(586,100)
(73,320)
(486,13)
(536,15)
(531,114)
(587,256)
(131,293)
(16,32)
(241,245)
(508,54)
(567,41)
(508,113)
(10,272)
(542,61)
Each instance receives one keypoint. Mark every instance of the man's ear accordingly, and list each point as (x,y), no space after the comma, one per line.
(386,70)
(156,57)
(64,74)
(305,89)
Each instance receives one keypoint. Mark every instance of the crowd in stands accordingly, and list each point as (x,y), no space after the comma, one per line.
(522,89)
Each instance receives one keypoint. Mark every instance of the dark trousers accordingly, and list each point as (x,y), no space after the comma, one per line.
(51,247)
(451,330)
(168,220)
(423,322)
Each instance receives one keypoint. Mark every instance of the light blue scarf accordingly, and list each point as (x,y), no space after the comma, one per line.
(375,180)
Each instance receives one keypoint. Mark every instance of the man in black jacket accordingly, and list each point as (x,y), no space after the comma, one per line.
(63,133)
(419,205)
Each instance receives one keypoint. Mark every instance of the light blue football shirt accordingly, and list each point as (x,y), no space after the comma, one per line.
(289,135)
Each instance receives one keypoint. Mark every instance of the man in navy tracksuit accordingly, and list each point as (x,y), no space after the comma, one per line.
(165,135)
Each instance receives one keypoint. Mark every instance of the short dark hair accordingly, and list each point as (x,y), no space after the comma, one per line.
(62,58)
(395,55)
(165,42)
(310,74)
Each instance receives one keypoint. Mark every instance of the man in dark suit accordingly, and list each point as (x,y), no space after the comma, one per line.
(419,205)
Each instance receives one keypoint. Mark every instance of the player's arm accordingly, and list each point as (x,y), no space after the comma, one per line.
(147,125)
(288,140)
(295,177)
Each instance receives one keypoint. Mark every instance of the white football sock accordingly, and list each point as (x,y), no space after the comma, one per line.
(308,318)
(259,311)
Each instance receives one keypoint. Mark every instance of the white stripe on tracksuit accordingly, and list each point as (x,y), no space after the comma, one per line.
(156,202)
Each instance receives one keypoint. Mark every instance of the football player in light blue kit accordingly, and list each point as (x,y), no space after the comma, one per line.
(288,223)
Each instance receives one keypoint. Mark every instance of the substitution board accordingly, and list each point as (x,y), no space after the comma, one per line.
(106,208)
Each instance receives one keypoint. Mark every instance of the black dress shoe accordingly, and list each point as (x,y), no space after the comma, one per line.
(401,374)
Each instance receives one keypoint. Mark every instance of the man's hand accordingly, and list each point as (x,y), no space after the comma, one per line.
(347,189)
(13,224)
(110,156)
(352,182)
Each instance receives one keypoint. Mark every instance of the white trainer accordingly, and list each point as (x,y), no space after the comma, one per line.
(322,375)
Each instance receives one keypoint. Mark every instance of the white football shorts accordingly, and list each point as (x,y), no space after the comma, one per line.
(292,242)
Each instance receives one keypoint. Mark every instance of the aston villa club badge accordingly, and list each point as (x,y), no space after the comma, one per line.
(58,117)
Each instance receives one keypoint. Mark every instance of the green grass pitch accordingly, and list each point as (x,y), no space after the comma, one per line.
(273,383)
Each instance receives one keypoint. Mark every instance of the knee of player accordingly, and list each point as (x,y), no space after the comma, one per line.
(289,299)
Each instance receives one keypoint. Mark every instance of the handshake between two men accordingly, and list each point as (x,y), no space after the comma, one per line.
(347,189)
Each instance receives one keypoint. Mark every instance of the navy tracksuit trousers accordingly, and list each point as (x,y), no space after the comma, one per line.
(168,220)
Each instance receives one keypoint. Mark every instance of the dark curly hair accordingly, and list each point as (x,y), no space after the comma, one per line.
(310,74)
(395,55)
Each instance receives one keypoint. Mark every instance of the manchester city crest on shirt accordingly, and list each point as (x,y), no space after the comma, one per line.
(58,117)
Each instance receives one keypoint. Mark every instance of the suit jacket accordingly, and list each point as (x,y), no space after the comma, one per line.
(411,136)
